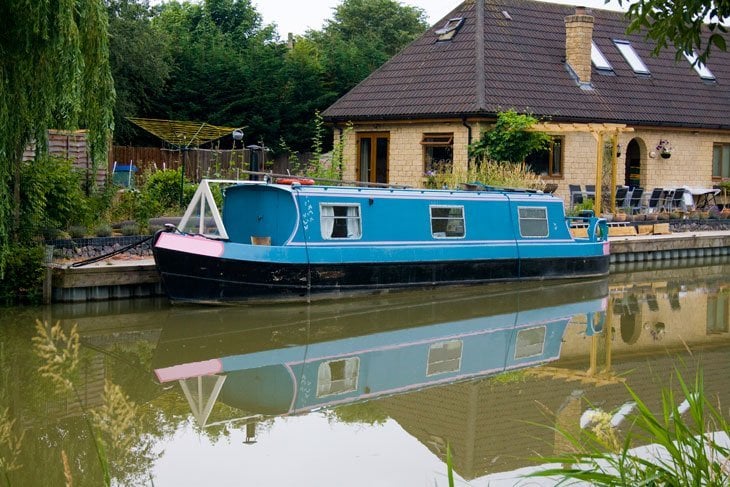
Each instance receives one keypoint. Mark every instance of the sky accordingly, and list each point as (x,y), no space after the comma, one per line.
(296,16)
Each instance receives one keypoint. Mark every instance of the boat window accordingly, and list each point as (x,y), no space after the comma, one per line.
(447,221)
(337,376)
(444,357)
(340,221)
(530,342)
(533,221)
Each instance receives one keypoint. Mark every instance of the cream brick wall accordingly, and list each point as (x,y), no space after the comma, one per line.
(406,155)
(690,164)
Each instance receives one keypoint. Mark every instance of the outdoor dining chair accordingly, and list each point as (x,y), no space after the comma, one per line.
(678,200)
(635,201)
(655,200)
(621,196)
(576,194)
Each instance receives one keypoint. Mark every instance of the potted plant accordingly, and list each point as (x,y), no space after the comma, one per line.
(664,149)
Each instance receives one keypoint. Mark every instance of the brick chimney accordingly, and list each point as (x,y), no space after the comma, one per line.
(578,36)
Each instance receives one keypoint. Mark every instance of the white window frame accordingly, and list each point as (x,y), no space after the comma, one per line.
(519,356)
(520,219)
(324,389)
(598,59)
(356,218)
(700,68)
(430,364)
(444,236)
(631,56)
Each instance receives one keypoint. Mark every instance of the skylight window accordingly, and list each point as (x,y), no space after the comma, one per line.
(450,28)
(627,50)
(701,69)
(598,59)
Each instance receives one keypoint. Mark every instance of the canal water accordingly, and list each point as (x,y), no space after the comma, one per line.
(357,392)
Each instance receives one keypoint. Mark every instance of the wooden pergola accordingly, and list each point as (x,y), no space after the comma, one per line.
(600,132)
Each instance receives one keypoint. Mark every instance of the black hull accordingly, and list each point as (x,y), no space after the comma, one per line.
(196,278)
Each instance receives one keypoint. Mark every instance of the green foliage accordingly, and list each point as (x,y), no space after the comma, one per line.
(54,73)
(699,25)
(510,140)
(502,174)
(23,279)
(158,194)
(366,412)
(690,454)
(51,197)
(103,230)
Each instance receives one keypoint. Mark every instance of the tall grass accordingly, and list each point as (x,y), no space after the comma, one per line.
(503,174)
(684,447)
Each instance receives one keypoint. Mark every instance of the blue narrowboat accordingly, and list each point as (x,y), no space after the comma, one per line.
(286,239)
(293,362)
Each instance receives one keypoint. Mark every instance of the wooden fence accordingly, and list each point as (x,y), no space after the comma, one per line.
(73,145)
(199,163)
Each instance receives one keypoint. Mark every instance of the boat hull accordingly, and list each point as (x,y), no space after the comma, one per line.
(201,278)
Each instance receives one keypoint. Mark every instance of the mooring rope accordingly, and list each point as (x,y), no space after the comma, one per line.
(111,254)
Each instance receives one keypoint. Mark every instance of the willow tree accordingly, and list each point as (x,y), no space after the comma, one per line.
(54,73)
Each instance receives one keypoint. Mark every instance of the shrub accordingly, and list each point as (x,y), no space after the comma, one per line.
(103,230)
(22,281)
(77,231)
(130,229)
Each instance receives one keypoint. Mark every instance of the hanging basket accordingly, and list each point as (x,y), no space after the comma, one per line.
(666,155)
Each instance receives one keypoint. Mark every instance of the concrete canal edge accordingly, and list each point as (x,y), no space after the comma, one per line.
(122,279)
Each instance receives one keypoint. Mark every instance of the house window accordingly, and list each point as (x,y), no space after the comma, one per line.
(548,162)
(533,221)
(599,60)
(447,221)
(449,30)
(444,357)
(701,69)
(628,52)
(718,316)
(337,376)
(438,152)
(530,342)
(721,161)
(340,221)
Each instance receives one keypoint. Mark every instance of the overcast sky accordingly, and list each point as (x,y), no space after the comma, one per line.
(297,16)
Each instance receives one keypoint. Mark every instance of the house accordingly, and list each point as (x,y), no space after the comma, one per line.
(575,69)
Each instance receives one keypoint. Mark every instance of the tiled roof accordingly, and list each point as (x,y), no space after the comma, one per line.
(525,69)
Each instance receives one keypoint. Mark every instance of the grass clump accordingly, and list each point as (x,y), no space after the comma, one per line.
(684,441)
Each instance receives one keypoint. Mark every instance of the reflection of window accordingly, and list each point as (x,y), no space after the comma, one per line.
(718,317)
(447,221)
(721,161)
(547,162)
(337,376)
(444,357)
(438,152)
(340,221)
(533,222)
(530,342)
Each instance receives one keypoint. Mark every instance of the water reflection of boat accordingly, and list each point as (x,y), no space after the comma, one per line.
(286,359)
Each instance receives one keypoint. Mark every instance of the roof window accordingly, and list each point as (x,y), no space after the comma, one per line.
(450,28)
(701,69)
(599,60)
(627,50)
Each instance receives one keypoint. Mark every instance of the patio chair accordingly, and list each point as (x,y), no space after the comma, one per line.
(621,196)
(635,201)
(678,199)
(550,188)
(576,194)
(655,200)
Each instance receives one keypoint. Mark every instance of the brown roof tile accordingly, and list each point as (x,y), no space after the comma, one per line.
(525,69)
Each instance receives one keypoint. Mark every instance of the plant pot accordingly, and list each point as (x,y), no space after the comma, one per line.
(619,217)
(652,217)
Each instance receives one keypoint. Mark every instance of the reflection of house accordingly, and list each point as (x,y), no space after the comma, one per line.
(494,426)
(423,107)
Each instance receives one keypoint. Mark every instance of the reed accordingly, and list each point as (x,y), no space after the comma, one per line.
(683,445)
